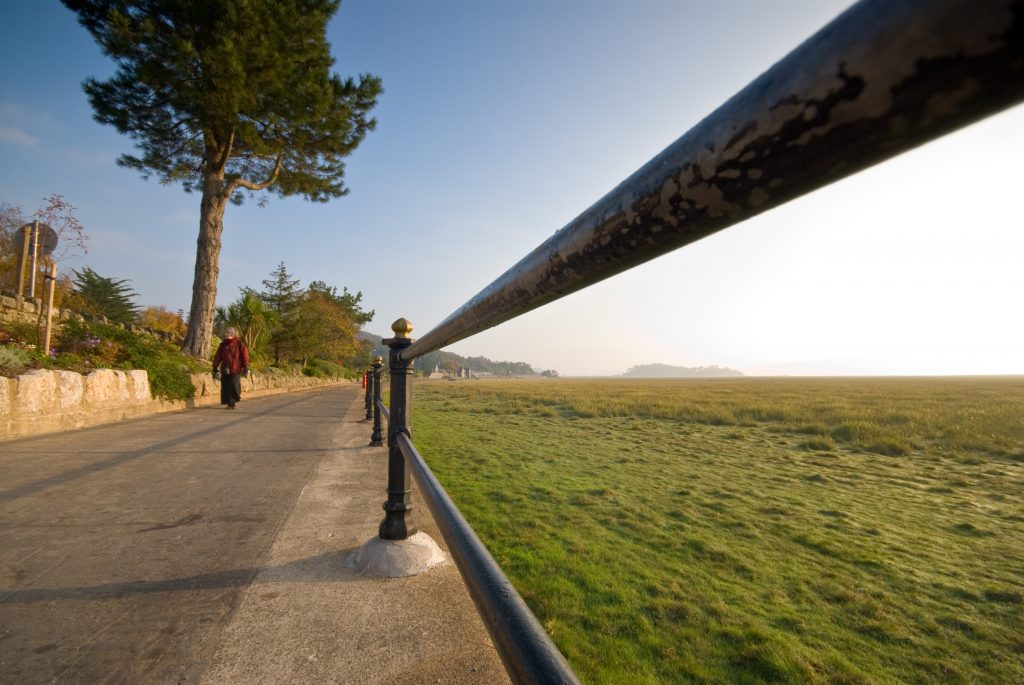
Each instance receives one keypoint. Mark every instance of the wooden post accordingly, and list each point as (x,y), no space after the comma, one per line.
(26,233)
(52,278)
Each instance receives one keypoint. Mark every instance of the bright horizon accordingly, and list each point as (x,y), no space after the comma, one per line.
(502,122)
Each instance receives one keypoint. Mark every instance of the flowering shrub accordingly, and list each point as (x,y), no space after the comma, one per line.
(85,346)
(81,342)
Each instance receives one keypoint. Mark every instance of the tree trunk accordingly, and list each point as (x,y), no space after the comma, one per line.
(204,285)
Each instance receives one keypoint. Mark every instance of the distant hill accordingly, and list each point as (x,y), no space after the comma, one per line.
(428,362)
(374,340)
(668,371)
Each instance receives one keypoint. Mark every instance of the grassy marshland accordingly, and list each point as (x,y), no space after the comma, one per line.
(751,530)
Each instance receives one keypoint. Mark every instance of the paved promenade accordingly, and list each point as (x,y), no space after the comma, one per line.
(212,546)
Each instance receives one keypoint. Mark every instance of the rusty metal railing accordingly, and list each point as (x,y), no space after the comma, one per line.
(883,77)
(528,653)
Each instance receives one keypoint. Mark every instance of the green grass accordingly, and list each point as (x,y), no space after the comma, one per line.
(750,530)
(321,368)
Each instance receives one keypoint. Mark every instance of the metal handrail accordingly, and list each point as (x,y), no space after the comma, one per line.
(883,77)
(526,650)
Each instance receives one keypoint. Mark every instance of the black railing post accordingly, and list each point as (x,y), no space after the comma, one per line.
(398,523)
(369,394)
(377,439)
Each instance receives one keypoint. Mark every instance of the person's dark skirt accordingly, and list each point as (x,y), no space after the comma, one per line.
(230,388)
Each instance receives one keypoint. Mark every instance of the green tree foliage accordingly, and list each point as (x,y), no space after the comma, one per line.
(432,360)
(363,355)
(255,321)
(323,328)
(108,297)
(294,324)
(499,368)
(83,346)
(449,361)
(227,97)
(157,318)
(347,301)
(282,294)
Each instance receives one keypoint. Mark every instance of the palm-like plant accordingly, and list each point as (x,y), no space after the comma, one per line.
(254,320)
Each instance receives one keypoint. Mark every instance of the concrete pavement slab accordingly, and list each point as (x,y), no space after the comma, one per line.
(310,617)
(213,545)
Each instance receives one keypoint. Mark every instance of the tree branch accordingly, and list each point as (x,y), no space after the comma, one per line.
(239,182)
(225,154)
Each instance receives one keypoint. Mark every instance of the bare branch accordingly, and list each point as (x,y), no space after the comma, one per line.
(239,182)
(225,154)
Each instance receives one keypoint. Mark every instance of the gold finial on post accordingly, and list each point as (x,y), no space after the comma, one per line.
(402,328)
(378,360)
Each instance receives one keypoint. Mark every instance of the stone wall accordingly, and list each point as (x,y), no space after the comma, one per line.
(43,401)
(27,310)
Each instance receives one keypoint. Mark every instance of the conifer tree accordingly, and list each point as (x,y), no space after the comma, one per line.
(282,295)
(227,97)
(109,297)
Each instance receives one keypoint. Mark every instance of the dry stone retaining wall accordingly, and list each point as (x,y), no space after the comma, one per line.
(43,401)
(27,310)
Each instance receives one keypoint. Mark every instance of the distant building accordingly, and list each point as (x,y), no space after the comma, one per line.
(461,372)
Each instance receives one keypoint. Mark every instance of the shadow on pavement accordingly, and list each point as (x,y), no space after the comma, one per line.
(330,567)
(121,458)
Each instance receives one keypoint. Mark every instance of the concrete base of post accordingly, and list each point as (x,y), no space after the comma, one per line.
(381,558)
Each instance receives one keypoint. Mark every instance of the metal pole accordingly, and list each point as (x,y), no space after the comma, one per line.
(528,653)
(377,439)
(35,259)
(369,395)
(26,233)
(398,523)
(52,278)
(882,78)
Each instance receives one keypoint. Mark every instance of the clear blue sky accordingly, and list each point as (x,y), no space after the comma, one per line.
(500,122)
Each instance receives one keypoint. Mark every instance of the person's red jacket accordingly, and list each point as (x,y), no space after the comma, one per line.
(232,355)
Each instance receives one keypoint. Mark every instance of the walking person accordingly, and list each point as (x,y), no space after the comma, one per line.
(231,364)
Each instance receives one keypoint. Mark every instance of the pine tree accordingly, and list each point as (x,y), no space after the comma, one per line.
(281,292)
(227,97)
(282,295)
(105,296)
